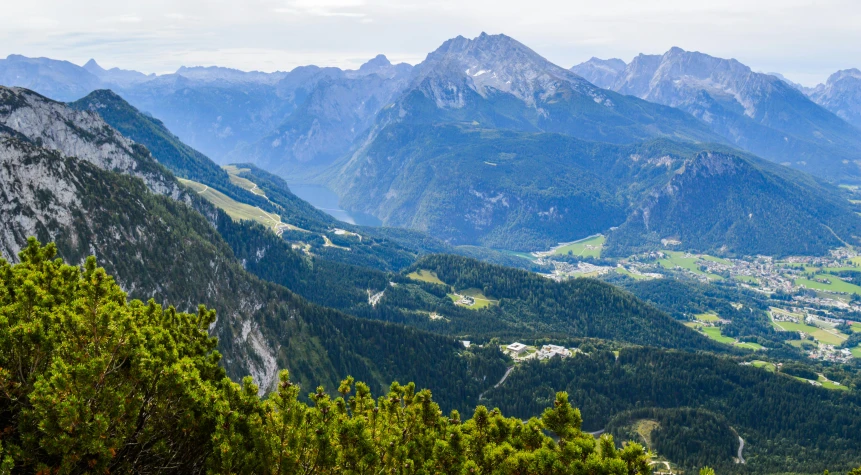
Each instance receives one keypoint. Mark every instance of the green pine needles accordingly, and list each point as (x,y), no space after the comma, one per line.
(91,382)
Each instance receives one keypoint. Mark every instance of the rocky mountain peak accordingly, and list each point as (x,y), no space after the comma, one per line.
(93,67)
(841,94)
(853,73)
(381,66)
(378,61)
(493,63)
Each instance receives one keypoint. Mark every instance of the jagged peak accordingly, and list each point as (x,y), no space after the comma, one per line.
(92,65)
(377,61)
(844,73)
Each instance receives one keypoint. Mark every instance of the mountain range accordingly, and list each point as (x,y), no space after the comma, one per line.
(297,123)
(465,148)
(756,112)
(487,143)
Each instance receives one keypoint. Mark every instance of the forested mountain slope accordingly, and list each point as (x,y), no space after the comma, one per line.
(574,308)
(162,248)
(719,202)
(103,384)
(776,415)
(167,148)
(528,191)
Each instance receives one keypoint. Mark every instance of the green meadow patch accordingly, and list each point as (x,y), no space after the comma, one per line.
(589,247)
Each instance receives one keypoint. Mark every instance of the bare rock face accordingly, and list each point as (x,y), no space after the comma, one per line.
(72,133)
(841,95)
(495,63)
(761,113)
(37,195)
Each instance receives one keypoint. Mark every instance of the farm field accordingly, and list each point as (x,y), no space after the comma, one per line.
(830,337)
(707,317)
(524,255)
(236,210)
(856,352)
(827,384)
(835,284)
(678,259)
(765,365)
(578,248)
(715,334)
(749,345)
(425,276)
(623,271)
(856,327)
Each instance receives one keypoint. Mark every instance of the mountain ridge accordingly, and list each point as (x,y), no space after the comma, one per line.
(757,112)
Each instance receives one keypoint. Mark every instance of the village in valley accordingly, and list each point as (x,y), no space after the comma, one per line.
(818,297)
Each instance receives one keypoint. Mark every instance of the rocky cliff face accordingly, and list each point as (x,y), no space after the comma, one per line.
(841,95)
(82,134)
(758,112)
(491,64)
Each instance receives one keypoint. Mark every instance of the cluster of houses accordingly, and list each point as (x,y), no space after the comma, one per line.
(830,353)
(520,351)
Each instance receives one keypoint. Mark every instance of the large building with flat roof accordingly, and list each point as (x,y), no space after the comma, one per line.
(516,349)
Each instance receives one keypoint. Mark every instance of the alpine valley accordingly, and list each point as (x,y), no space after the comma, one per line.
(671,245)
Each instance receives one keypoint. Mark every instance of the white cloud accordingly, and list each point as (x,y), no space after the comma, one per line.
(324,8)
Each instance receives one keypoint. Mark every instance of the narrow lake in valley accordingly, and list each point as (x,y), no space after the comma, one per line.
(326,200)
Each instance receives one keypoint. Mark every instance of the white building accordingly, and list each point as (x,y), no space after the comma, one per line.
(516,349)
(549,351)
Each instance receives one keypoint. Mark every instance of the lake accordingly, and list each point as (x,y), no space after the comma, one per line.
(326,200)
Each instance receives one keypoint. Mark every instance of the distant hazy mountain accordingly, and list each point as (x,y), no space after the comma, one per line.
(115,76)
(495,81)
(841,95)
(59,80)
(790,82)
(229,75)
(333,108)
(757,112)
(600,72)
(224,112)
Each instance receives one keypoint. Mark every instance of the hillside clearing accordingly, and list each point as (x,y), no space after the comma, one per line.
(236,210)
(425,276)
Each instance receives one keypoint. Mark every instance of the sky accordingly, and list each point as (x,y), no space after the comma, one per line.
(803,39)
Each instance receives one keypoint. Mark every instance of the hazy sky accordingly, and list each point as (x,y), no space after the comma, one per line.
(804,39)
